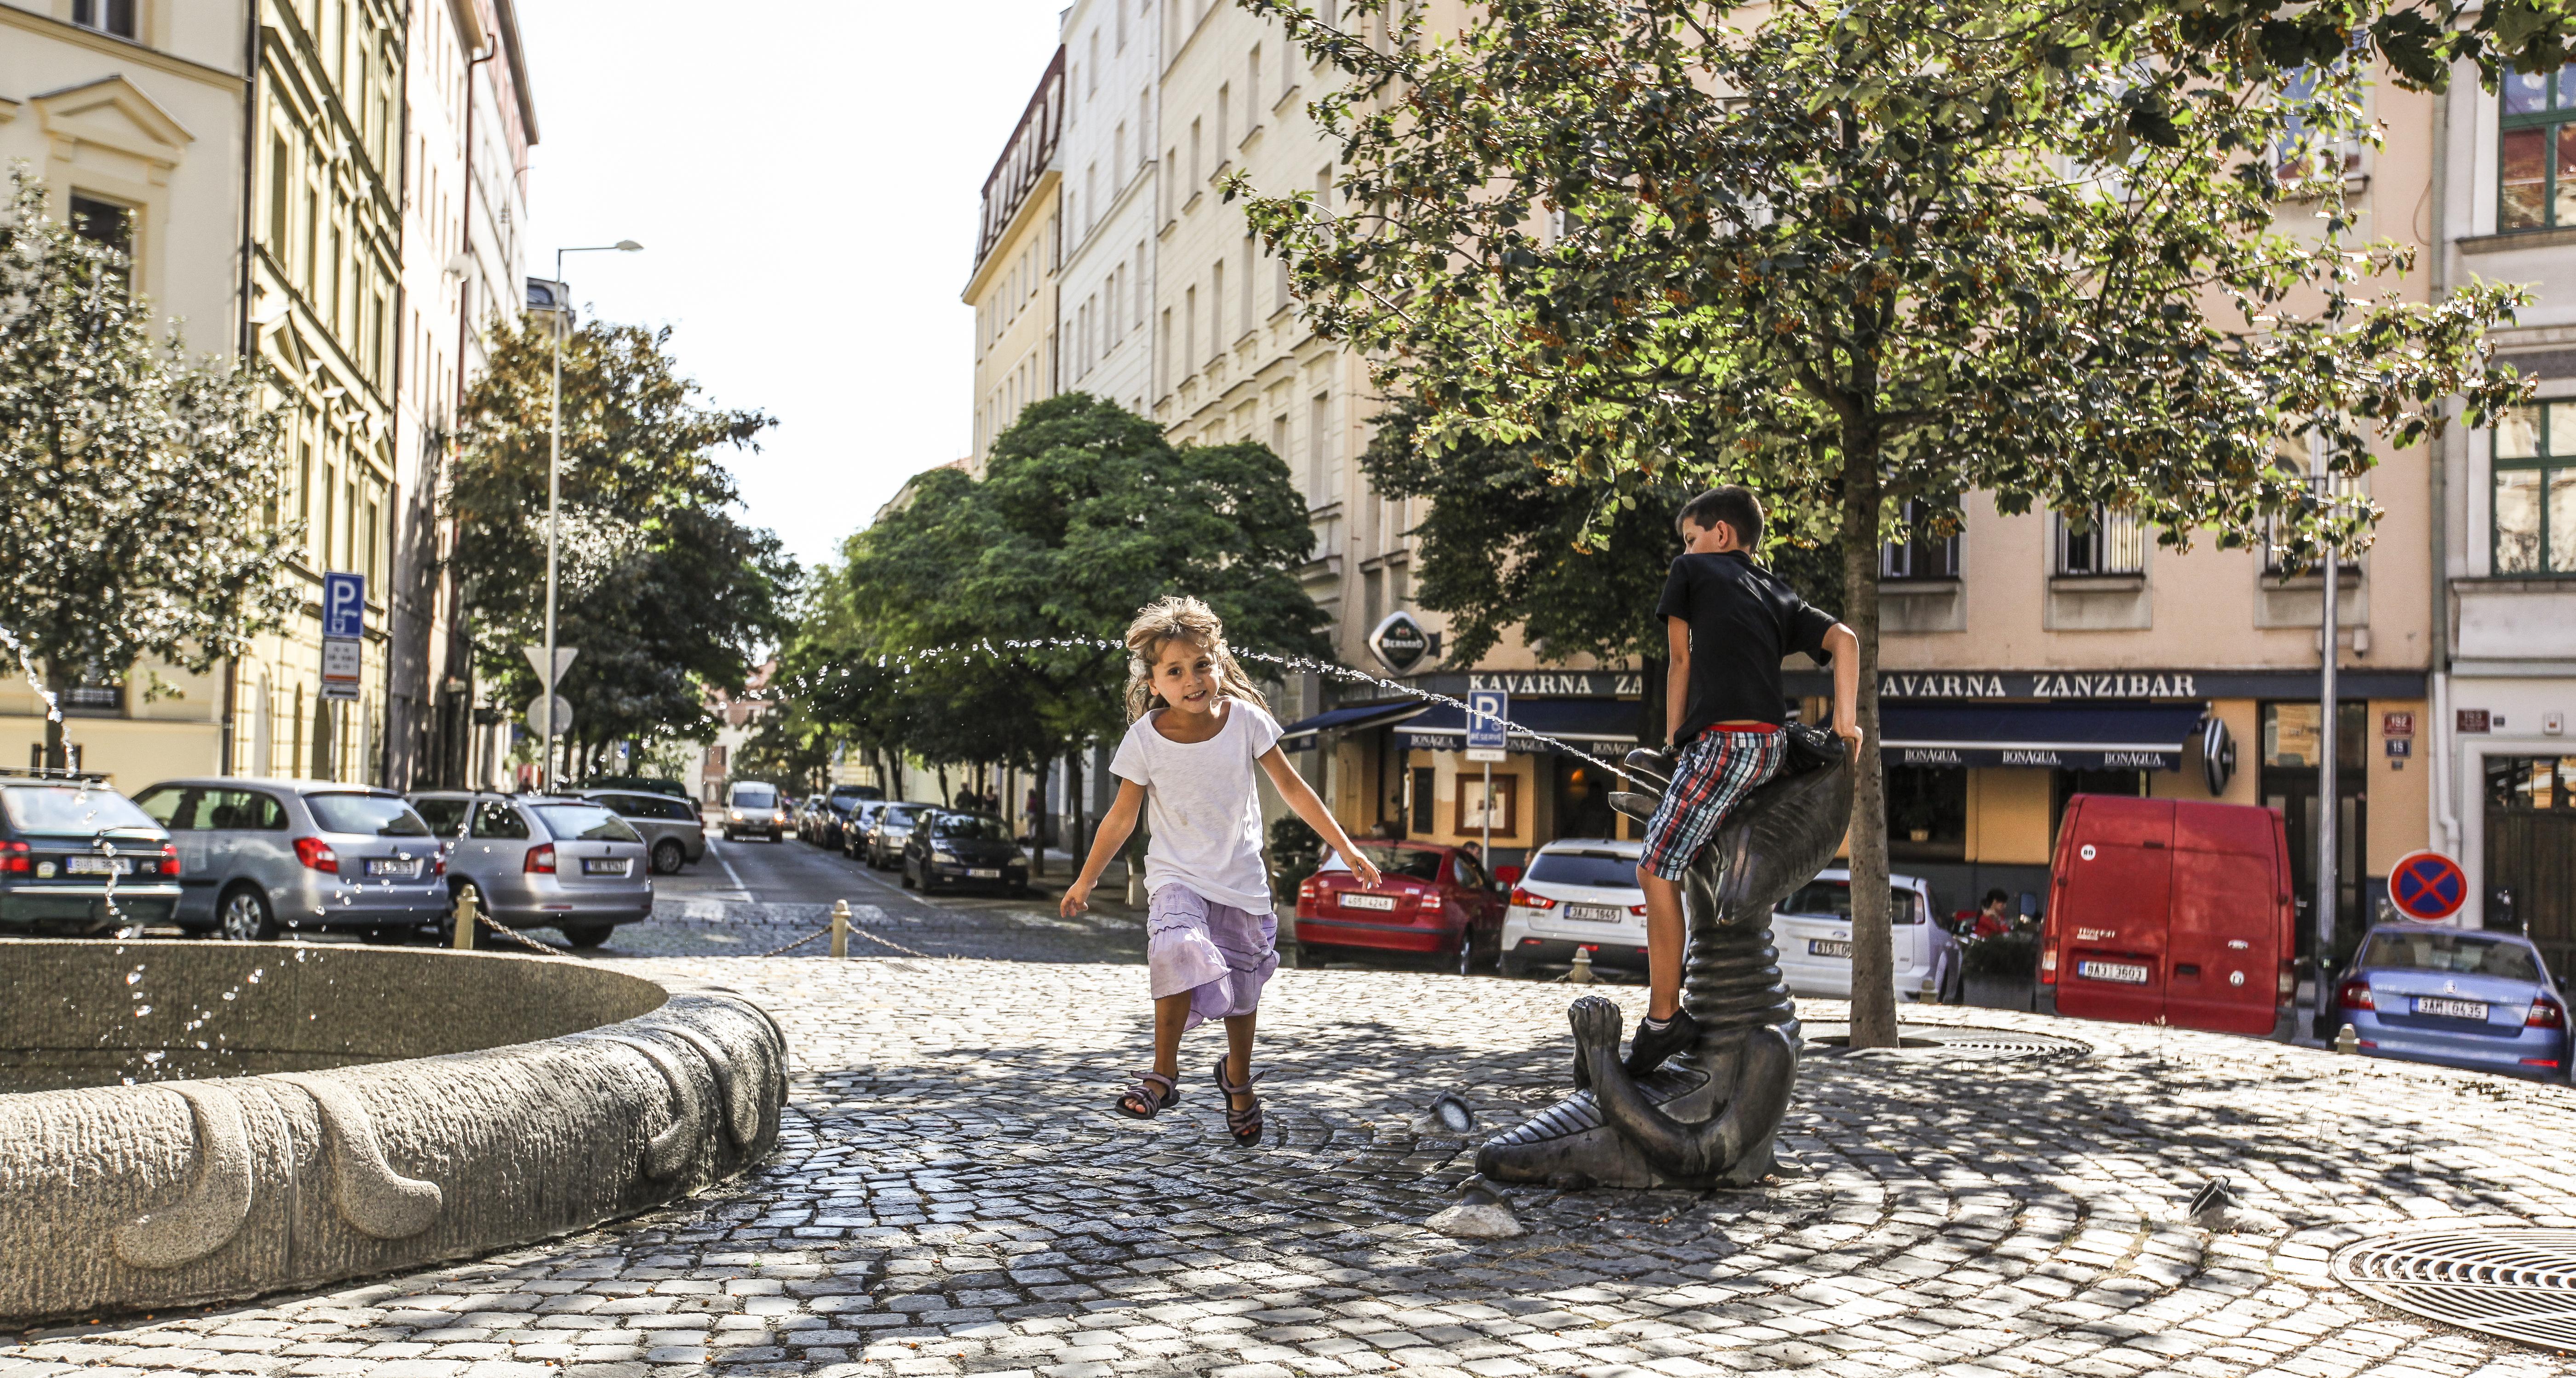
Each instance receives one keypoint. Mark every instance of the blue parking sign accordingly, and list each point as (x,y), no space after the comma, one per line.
(1487,712)
(344,605)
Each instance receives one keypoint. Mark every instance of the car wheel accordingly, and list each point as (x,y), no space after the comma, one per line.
(903,877)
(1513,965)
(1467,954)
(588,934)
(244,916)
(669,856)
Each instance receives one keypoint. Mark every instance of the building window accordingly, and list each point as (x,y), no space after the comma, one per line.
(109,226)
(2535,490)
(106,16)
(2536,157)
(1928,555)
(2106,543)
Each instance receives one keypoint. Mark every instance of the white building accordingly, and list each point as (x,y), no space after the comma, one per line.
(1106,287)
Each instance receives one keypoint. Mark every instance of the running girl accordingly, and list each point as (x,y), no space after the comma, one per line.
(1196,727)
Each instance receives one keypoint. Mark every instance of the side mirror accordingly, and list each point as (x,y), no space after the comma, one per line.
(1507,876)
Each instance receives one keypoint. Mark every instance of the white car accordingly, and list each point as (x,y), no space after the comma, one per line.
(1812,928)
(1579,892)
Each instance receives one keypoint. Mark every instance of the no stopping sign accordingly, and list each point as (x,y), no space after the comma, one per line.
(2427,886)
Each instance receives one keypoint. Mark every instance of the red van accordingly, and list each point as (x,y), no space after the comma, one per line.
(2172,911)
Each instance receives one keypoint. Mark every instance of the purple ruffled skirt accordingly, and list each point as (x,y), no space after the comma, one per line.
(1218,955)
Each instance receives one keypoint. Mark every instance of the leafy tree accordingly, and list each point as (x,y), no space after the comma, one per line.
(666,593)
(1894,252)
(138,492)
(1085,513)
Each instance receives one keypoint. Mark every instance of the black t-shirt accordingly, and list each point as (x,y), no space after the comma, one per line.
(1743,621)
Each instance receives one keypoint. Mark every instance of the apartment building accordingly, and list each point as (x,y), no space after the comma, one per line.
(1108,179)
(1019,251)
(131,114)
(465,180)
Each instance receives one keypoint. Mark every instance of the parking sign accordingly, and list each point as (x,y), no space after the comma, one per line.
(1487,712)
(344,605)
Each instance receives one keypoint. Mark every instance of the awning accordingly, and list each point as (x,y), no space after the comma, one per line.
(2069,736)
(1301,735)
(1581,722)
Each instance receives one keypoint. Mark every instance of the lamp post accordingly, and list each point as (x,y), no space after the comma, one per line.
(554,502)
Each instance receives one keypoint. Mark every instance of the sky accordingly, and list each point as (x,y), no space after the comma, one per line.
(804,176)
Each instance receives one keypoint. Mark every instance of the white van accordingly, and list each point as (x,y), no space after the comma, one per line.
(1812,928)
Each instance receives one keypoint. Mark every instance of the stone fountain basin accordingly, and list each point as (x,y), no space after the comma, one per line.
(354,1111)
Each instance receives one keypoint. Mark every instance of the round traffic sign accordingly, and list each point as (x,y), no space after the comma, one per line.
(2427,886)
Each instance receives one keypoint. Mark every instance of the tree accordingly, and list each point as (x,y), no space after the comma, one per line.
(1883,254)
(1085,513)
(139,490)
(664,591)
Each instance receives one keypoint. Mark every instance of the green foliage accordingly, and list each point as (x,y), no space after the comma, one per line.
(664,591)
(138,492)
(1295,851)
(790,748)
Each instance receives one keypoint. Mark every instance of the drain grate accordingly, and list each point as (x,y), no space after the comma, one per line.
(2513,1283)
(1945,1043)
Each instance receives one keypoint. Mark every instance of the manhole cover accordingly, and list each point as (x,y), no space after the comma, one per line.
(2514,1283)
(1943,1043)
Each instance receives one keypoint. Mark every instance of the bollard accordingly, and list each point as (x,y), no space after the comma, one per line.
(840,929)
(1581,972)
(2347,1040)
(465,919)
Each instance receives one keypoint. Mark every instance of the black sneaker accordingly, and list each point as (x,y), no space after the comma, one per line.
(1651,1046)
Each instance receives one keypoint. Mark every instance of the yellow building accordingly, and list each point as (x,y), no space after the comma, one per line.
(131,115)
(1019,248)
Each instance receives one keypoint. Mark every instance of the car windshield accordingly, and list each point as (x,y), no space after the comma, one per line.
(1832,899)
(754,797)
(71,809)
(585,823)
(1584,868)
(901,815)
(972,826)
(446,816)
(2462,953)
(370,814)
(1416,863)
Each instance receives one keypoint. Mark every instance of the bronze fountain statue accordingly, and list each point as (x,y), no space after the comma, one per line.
(1708,1116)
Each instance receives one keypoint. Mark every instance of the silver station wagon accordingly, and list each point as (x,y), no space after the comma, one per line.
(543,861)
(259,856)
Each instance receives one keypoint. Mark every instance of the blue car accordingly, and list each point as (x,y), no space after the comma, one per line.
(2456,998)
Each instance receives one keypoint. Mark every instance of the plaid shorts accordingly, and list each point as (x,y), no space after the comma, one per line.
(1718,769)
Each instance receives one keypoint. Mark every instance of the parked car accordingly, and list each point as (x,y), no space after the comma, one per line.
(2424,993)
(674,835)
(259,856)
(1433,902)
(76,857)
(543,861)
(1812,929)
(1578,895)
(838,807)
(2173,912)
(809,813)
(854,831)
(754,809)
(949,849)
(893,828)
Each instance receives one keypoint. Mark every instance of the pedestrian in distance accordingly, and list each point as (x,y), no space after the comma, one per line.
(1729,622)
(1995,916)
(1197,728)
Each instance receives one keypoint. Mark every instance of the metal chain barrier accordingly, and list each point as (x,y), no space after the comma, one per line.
(825,930)
(518,937)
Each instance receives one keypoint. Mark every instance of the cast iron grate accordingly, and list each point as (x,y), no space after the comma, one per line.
(1947,1043)
(2514,1283)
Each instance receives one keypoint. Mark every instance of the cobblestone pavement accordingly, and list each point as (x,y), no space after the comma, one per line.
(951,1197)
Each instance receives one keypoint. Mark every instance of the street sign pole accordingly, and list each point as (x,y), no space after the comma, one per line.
(2329,812)
(344,627)
(1488,716)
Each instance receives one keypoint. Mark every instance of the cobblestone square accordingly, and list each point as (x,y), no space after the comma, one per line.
(952,1197)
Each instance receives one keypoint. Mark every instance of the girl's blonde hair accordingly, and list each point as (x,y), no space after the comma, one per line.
(1180,619)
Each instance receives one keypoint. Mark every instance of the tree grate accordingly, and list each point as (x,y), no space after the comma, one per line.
(2514,1283)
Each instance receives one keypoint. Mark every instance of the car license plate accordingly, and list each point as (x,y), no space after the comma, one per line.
(2122,973)
(1595,913)
(98,866)
(1828,947)
(1368,901)
(2452,1009)
(390,866)
(983,873)
(603,866)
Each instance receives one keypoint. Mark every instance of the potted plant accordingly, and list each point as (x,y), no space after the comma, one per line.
(1998,971)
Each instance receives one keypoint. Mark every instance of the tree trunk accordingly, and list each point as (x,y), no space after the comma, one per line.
(1873,999)
(57,752)
(1038,819)
(1074,815)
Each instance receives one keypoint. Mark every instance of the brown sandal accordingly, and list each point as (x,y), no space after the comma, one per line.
(1244,1124)
(1152,1094)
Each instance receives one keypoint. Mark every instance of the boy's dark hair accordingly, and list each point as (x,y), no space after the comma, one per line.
(1733,504)
(1997,897)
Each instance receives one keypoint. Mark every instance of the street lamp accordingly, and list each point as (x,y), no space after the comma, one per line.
(554,503)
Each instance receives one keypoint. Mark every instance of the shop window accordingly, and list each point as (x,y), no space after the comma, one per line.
(1422,816)
(2102,543)
(1927,812)
(2534,512)
(1479,809)
(2536,153)
(1927,553)
(2291,732)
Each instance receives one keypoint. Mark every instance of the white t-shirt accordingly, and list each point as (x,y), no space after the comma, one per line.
(1203,805)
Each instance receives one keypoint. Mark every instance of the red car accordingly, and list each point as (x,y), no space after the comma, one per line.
(1435,902)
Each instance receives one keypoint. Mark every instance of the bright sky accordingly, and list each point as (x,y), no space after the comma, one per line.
(803,175)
